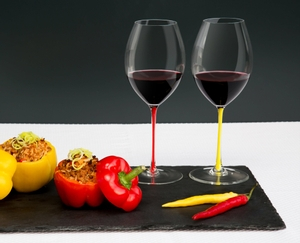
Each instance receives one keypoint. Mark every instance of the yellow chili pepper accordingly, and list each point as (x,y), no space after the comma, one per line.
(8,165)
(200,199)
(31,176)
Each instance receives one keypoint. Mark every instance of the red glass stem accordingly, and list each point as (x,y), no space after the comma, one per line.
(153,122)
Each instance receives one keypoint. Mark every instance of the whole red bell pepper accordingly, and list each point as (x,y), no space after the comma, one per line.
(119,183)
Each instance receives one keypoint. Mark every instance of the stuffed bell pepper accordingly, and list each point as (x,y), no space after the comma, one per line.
(75,179)
(36,161)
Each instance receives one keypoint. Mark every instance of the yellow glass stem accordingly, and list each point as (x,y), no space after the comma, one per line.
(218,165)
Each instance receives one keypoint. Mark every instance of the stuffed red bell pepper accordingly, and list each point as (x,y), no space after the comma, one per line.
(119,183)
(75,179)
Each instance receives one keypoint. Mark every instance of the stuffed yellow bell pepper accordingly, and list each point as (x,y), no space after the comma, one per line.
(36,161)
(8,166)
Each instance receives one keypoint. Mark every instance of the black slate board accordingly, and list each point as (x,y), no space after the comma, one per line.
(43,211)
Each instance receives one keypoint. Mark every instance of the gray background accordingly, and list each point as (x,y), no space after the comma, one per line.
(63,61)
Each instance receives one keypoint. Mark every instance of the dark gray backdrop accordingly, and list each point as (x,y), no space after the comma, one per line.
(63,61)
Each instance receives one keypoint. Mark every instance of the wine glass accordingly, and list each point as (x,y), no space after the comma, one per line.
(154,65)
(221,64)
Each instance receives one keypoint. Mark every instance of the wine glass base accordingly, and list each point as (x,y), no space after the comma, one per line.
(162,176)
(227,176)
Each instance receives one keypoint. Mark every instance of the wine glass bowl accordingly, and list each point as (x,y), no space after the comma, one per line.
(154,65)
(221,65)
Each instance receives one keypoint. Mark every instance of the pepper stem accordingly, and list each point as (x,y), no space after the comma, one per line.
(125,179)
(250,193)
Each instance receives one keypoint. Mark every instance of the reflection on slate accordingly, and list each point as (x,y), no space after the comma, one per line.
(43,211)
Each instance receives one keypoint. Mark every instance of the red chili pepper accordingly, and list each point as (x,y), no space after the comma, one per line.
(74,194)
(119,183)
(224,206)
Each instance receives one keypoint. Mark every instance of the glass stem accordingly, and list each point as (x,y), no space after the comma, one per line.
(153,122)
(218,166)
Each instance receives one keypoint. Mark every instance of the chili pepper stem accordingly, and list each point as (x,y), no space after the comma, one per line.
(250,193)
(125,179)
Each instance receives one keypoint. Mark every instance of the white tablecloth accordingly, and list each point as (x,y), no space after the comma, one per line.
(270,150)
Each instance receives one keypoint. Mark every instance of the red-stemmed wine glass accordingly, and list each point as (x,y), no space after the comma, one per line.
(221,64)
(154,65)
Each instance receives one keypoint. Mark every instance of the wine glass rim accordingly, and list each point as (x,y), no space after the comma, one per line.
(155,22)
(224,20)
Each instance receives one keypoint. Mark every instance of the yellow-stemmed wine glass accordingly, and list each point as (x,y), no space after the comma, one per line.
(222,61)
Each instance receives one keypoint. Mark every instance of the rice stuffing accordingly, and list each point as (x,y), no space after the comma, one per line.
(26,152)
(86,173)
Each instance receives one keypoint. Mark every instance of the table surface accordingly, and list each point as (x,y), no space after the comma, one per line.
(269,150)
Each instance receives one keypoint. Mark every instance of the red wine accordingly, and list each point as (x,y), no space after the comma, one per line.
(154,85)
(221,87)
